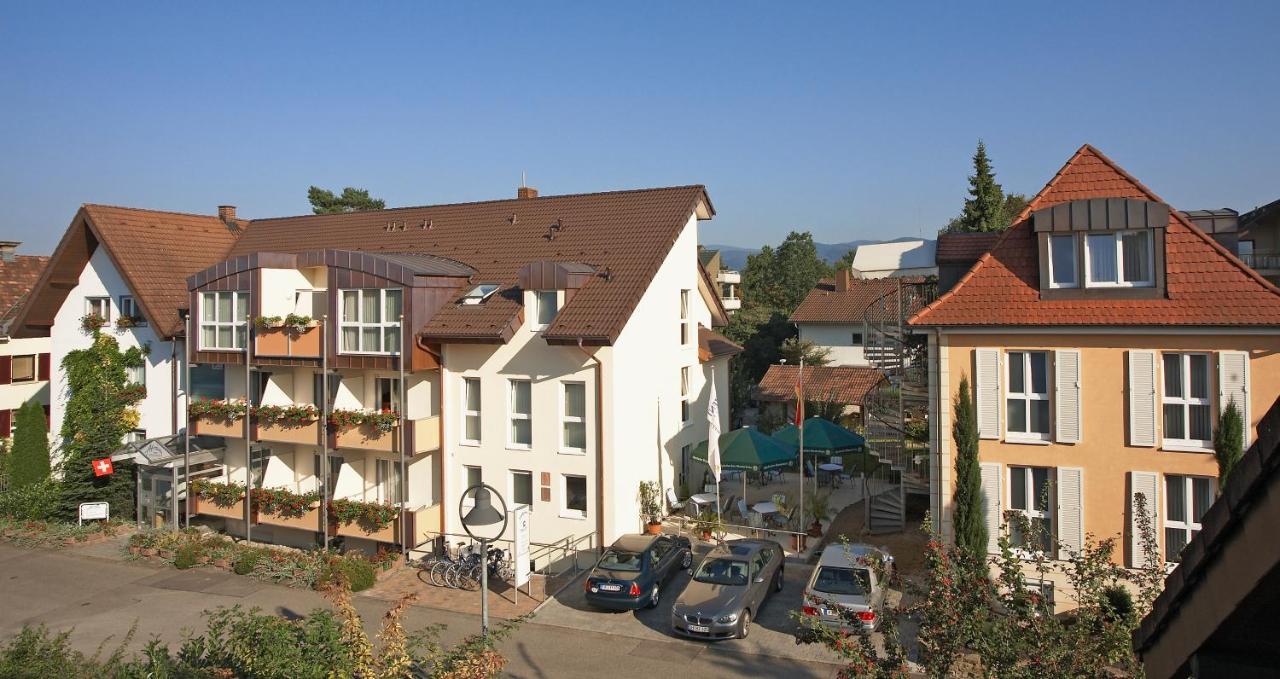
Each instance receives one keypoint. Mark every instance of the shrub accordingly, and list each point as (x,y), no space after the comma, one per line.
(356,573)
(186,556)
(38,502)
(29,459)
(246,561)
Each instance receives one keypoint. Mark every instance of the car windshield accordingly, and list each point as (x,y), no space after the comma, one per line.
(846,581)
(620,560)
(722,572)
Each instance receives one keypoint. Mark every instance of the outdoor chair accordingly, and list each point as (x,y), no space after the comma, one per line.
(742,509)
(809,470)
(675,503)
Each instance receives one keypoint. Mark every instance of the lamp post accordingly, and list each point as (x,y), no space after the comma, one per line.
(482,515)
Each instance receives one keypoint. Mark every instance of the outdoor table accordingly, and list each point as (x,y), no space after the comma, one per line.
(703,499)
(832,470)
(765,507)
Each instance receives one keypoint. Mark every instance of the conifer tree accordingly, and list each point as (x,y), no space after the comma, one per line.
(29,457)
(970,527)
(984,210)
(1228,441)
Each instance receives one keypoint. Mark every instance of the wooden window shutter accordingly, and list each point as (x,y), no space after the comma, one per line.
(1070,511)
(1147,483)
(986,392)
(1233,384)
(545,478)
(1066,365)
(1142,398)
(6,423)
(991,503)
(42,367)
(6,370)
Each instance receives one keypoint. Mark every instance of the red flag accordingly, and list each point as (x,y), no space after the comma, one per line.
(799,405)
(102,467)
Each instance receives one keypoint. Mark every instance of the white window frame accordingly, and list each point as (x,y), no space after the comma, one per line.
(513,416)
(92,304)
(396,405)
(1027,396)
(1118,236)
(686,407)
(539,305)
(1187,443)
(565,511)
(1031,512)
(383,487)
(135,435)
(360,325)
(35,369)
(566,418)
(142,374)
(467,384)
(1188,526)
(1075,261)
(469,502)
(511,487)
(129,309)
(234,323)
(685,329)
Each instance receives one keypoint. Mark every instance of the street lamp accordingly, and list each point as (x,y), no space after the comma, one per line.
(482,515)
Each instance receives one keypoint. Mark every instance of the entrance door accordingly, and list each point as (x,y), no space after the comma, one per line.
(155,498)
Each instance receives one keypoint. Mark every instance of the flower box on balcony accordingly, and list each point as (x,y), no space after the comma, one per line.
(367,520)
(205,507)
(288,342)
(366,437)
(308,521)
(307,433)
(220,427)
(388,533)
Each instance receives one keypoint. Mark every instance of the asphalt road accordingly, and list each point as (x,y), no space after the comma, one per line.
(101,599)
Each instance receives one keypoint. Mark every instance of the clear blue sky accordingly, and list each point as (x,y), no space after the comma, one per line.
(852,120)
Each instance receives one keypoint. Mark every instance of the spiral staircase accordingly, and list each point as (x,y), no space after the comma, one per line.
(895,411)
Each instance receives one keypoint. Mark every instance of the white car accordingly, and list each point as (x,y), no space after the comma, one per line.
(845,589)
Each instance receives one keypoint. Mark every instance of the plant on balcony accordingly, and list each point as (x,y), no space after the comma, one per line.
(341,418)
(132,393)
(224,495)
(126,322)
(283,502)
(92,322)
(215,409)
(297,323)
(383,421)
(286,416)
(371,516)
(268,322)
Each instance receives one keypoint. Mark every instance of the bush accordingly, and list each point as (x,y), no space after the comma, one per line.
(186,556)
(36,502)
(355,573)
(1118,602)
(29,458)
(247,561)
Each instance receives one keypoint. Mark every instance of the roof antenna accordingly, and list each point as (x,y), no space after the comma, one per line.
(522,183)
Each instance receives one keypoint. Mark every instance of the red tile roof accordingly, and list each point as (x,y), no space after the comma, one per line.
(17,278)
(712,344)
(837,383)
(964,248)
(826,304)
(1206,285)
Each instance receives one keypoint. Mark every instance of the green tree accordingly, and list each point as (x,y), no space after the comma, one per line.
(988,208)
(794,348)
(29,459)
(324,202)
(970,527)
(845,261)
(1228,441)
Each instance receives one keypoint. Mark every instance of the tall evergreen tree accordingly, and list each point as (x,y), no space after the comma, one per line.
(324,202)
(982,210)
(970,527)
(29,457)
(1228,441)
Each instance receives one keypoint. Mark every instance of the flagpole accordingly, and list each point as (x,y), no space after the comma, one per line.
(713,432)
(800,428)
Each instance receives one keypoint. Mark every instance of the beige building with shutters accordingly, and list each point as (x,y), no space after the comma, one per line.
(1103,335)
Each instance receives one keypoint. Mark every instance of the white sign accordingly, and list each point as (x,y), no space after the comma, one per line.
(90,511)
(521,555)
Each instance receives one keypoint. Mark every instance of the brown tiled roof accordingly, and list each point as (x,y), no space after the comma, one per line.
(1206,285)
(624,235)
(826,304)
(17,278)
(838,383)
(964,248)
(712,344)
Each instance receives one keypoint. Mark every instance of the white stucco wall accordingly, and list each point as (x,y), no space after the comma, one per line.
(838,339)
(12,396)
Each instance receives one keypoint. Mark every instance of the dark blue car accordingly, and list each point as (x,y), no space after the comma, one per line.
(630,573)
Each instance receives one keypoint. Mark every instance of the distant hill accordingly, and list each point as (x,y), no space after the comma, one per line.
(735,257)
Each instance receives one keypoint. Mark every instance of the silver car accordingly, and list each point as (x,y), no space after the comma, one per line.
(845,589)
(728,587)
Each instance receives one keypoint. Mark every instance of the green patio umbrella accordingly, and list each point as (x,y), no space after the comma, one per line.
(748,450)
(822,437)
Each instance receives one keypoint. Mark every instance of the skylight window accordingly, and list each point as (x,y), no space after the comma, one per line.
(479,293)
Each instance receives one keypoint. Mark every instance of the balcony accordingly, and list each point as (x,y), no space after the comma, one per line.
(1261,261)
(729,276)
(288,432)
(423,522)
(731,303)
(204,507)
(366,437)
(426,434)
(217,426)
(308,521)
(284,343)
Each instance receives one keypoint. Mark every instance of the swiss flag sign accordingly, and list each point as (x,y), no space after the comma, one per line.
(102,467)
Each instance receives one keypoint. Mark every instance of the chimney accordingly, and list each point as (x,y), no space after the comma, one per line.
(526,192)
(9,249)
(844,279)
(227,213)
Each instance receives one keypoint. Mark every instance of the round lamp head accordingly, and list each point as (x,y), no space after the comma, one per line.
(483,512)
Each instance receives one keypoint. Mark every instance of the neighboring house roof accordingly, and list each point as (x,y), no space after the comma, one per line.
(1206,285)
(899,255)
(964,248)
(827,304)
(1259,213)
(837,383)
(712,344)
(17,278)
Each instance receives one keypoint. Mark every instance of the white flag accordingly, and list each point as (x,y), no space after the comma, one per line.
(713,430)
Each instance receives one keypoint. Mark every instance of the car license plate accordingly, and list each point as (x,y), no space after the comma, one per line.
(825,612)
(701,629)
(611,588)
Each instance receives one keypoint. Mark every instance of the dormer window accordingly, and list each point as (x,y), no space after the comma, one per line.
(479,293)
(1062,262)
(370,321)
(1111,247)
(1121,259)
(546,304)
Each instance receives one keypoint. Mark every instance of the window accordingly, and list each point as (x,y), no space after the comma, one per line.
(207,381)
(856,339)
(1029,496)
(1028,400)
(684,396)
(129,309)
(136,374)
(479,293)
(1244,248)
(98,306)
(471,410)
(684,317)
(258,458)
(387,393)
(575,496)
(258,381)
(520,406)
(1187,412)
(1120,259)
(575,417)
(1062,262)
(224,320)
(370,321)
(335,466)
(522,487)
(1187,498)
(474,478)
(547,304)
(23,369)
(686,462)
(317,389)
(135,436)
(387,481)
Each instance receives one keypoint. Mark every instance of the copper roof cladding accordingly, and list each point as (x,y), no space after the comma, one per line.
(17,278)
(1206,285)
(827,304)
(964,248)
(837,383)
(623,235)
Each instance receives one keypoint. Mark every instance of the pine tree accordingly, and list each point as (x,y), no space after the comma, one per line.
(982,211)
(1228,441)
(324,202)
(29,458)
(970,526)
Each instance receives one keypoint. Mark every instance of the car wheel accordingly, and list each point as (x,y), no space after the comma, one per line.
(744,625)
(654,596)
(687,560)
(777,581)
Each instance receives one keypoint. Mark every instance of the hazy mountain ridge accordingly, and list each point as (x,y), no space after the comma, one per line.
(735,257)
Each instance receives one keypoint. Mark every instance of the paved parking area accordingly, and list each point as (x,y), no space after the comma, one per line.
(772,631)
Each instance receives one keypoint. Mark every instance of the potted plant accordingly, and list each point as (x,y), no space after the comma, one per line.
(817,507)
(297,323)
(268,322)
(707,524)
(92,322)
(651,506)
